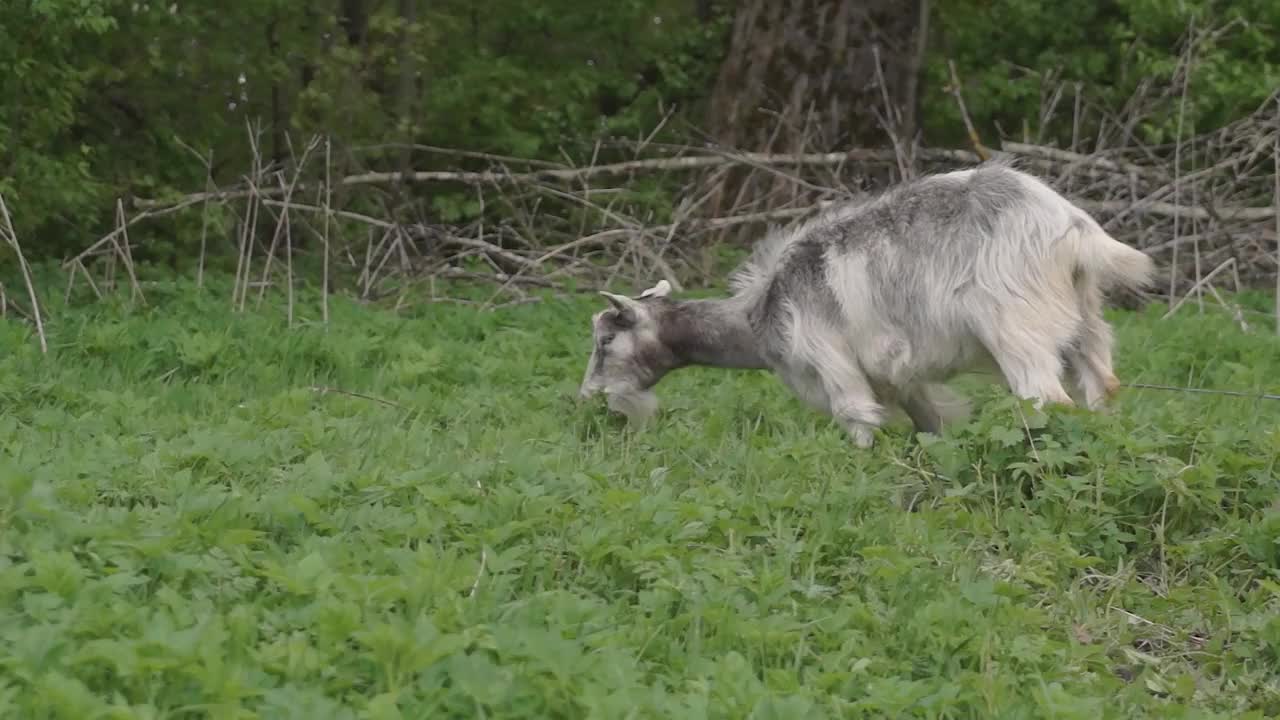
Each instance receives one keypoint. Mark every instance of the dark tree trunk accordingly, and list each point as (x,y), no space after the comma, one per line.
(278,121)
(703,10)
(790,60)
(406,94)
(911,99)
(802,76)
(353,17)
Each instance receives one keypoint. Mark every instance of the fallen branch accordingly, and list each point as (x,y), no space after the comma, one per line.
(1159,209)
(158,210)
(1076,159)
(697,162)
(1170,210)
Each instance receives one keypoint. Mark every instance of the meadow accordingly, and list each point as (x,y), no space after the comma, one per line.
(206,514)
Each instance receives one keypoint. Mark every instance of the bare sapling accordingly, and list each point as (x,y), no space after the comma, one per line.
(10,236)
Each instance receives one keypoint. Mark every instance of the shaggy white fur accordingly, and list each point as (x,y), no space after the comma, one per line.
(875,303)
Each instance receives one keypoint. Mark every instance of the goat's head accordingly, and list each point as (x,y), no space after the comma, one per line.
(629,356)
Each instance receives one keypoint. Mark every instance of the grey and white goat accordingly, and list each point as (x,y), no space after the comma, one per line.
(874,304)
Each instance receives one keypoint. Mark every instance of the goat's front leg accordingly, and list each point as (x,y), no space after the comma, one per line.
(853,402)
(824,373)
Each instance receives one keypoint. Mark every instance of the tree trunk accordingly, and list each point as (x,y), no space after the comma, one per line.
(802,76)
(406,90)
(702,10)
(278,121)
(353,17)
(791,58)
(911,95)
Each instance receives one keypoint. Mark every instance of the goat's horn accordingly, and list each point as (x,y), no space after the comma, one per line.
(621,302)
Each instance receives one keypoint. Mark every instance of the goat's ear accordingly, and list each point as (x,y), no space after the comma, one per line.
(627,308)
(662,289)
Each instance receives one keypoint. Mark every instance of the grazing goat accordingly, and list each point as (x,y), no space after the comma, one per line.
(874,304)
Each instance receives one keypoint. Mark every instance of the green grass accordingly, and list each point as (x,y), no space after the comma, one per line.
(187,530)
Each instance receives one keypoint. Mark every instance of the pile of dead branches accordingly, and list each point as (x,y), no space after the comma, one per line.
(1206,207)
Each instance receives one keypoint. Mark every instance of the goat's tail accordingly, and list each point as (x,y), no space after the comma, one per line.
(1106,261)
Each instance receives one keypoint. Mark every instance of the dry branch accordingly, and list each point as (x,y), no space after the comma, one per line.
(125,251)
(1230,262)
(957,92)
(1073,159)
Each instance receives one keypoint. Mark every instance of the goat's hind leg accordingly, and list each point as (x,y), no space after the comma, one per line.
(930,406)
(1089,356)
(925,417)
(1030,358)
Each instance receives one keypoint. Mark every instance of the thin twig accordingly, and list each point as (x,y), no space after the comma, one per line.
(1275,155)
(204,221)
(328,211)
(891,119)
(957,93)
(1205,391)
(1177,160)
(484,558)
(1198,286)
(126,254)
(288,259)
(325,390)
(283,221)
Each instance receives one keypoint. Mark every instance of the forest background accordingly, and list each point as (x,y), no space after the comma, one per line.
(449,137)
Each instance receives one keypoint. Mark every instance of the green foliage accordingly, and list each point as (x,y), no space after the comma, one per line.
(1005,49)
(189,526)
(45,164)
(530,78)
(110,98)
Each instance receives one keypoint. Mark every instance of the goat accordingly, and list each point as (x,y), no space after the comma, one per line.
(874,304)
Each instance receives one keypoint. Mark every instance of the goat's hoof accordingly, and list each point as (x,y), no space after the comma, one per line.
(863,437)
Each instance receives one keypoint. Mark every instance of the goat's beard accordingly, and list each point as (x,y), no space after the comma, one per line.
(638,405)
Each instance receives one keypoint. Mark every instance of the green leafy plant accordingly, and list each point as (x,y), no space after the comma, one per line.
(442,530)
